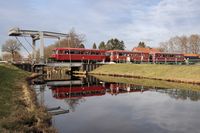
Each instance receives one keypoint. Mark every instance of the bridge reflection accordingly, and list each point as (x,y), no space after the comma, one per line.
(85,90)
(78,91)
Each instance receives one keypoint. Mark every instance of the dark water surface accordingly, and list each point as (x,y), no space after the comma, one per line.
(100,107)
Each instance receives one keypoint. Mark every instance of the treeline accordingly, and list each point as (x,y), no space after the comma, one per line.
(112,44)
(182,44)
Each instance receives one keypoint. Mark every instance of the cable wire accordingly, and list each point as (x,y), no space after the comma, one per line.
(22,45)
(27,41)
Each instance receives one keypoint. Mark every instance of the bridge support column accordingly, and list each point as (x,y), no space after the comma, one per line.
(34,51)
(41,48)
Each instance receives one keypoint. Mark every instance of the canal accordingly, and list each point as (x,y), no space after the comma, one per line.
(88,105)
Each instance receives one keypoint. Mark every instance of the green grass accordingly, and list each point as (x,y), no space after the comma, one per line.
(19,111)
(10,78)
(190,73)
(10,89)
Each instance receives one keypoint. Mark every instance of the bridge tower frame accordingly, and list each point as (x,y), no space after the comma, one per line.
(36,35)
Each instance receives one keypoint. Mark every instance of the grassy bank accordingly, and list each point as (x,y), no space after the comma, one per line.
(177,73)
(19,111)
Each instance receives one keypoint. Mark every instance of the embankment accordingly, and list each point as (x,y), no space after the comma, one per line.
(19,111)
(174,73)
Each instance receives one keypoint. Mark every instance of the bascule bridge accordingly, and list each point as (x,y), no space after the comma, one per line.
(41,36)
(36,35)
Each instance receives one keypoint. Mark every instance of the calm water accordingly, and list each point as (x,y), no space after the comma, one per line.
(100,107)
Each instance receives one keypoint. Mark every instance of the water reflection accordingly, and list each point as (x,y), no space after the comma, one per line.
(98,106)
(74,102)
(77,91)
(180,94)
(90,89)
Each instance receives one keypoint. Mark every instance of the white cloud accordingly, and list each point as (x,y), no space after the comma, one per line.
(164,20)
(151,21)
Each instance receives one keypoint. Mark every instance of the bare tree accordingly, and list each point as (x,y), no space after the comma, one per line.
(172,45)
(194,43)
(182,44)
(74,102)
(11,46)
(74,40)
(163,46)
(8,57)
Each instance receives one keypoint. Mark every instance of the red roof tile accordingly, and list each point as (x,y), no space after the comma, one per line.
(138,49)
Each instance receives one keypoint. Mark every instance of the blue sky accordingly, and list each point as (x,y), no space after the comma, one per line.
(152,21)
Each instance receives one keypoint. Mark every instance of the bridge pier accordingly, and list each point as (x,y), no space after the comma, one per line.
(90,67)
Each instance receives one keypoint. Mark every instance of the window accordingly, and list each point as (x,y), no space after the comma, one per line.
(93,53)
(82,52)
(60,51)
(108,54)
(120,54)
(54,52)
(71,52)
(66,52)
(86,52)
(76,52)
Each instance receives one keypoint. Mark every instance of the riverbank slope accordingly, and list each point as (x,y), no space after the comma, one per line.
(175,73)
(19,111)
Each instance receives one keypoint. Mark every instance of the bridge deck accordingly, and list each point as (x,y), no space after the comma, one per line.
(72,64)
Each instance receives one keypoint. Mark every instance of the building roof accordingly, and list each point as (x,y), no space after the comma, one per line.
(192,55)
(148,50)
